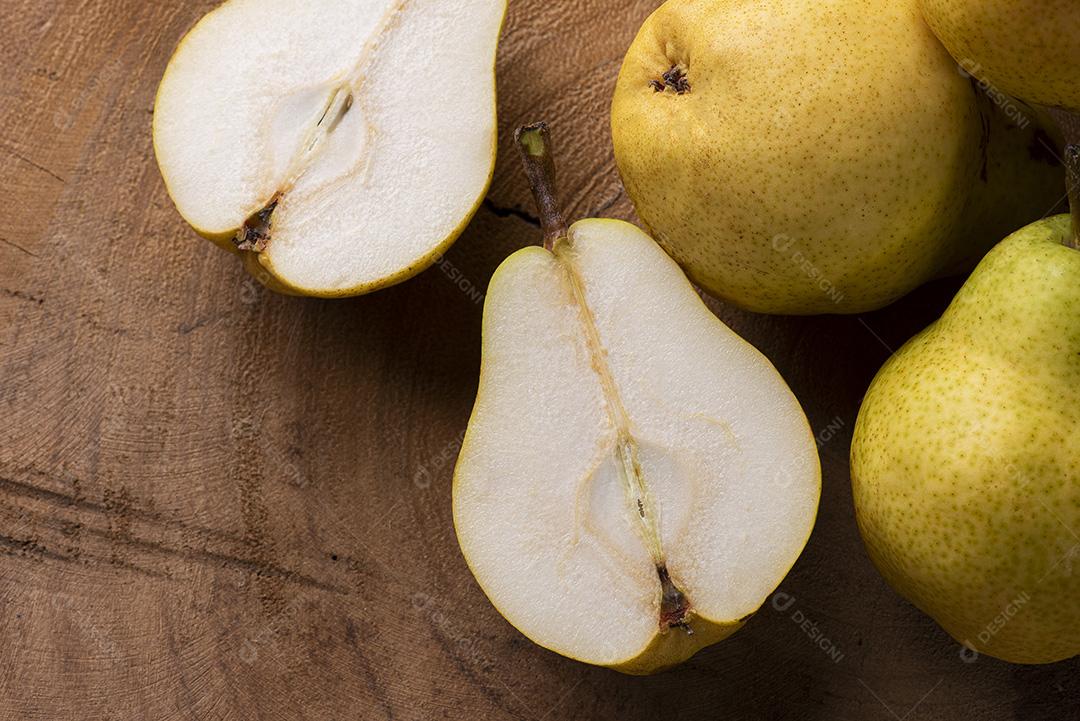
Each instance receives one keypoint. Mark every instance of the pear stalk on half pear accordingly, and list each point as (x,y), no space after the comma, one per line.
(817,156)
(337,146)
(636,479)
(965,461)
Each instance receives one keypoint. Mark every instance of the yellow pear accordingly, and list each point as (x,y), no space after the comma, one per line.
(1027,48)
(815,156)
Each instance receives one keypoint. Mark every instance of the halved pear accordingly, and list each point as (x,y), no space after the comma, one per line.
(339,146)
(636,479)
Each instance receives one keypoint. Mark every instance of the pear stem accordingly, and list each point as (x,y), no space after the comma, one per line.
(1072,182)
(534,145)
(1069,122)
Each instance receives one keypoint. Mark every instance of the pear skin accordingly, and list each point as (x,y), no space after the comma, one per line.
(792,166)
(1030,50)
(1020,179)
(965,460)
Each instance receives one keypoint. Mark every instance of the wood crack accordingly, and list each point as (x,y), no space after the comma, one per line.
(22,295)
(38,166)
(50,519)
(515,212)
(16,246)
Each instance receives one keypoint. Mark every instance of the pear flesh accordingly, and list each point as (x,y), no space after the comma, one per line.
(1028,49)
(816,156)
(636,478)
(965,460)
(340,145)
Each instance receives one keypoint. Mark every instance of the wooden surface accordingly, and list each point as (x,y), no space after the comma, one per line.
(218,503)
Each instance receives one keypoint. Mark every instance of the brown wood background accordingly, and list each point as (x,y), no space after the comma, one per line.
(219,503)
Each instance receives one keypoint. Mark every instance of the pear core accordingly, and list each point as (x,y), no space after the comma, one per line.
(674,606)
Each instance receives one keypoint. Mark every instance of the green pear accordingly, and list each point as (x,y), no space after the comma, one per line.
(636,478)
(816,156)
(965,461)
(1027,48)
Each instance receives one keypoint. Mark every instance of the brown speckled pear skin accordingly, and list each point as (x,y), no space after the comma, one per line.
(1019,183)
(1029,49)
(815,156)
(965,460)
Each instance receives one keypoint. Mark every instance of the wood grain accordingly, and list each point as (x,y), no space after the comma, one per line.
(219,503)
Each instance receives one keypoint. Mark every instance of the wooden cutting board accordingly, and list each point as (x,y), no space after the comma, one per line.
(220,503)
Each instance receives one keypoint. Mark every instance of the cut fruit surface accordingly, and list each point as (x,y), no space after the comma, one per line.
(346,143)
(636,478)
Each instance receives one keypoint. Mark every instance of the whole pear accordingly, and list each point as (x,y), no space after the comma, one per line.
(816,156)
(965,460)
(1026,48)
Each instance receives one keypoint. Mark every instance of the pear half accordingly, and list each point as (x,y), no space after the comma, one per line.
(636,479)
(340,146)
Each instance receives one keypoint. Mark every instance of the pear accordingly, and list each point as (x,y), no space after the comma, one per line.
(636,479)
(1020,181)
(1028,49)
(816,156)
(338,147)
(965,461)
